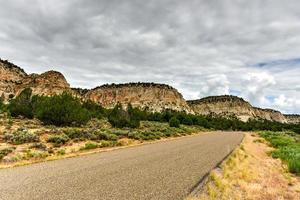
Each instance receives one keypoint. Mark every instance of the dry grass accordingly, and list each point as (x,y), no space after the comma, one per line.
(250,173)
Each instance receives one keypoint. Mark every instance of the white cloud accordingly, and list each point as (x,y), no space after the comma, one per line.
(201,47)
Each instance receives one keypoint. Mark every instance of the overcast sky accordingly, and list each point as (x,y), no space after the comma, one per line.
(201,47)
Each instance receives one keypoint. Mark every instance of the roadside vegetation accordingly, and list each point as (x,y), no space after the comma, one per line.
(287,148)
(250,173)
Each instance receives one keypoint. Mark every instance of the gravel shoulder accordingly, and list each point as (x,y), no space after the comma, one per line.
(163,170)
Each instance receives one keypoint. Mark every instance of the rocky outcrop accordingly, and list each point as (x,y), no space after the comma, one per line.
(293,119)
(48,83)
(228,105)
(155,97)
(14,80)
(11,76)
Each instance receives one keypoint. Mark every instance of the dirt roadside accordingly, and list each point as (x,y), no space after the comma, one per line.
(250,173)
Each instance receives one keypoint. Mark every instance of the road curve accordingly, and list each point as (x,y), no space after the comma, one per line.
(163,170)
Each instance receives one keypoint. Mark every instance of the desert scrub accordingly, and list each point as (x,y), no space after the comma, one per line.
(35,154)
(105,143)
(59,139)
(79,134)
(61,152)
(89,145)
(39,146)
(21,136)
(287,148)
(4,152)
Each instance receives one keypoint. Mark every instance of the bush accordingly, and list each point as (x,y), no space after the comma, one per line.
(4,152)
(89,145)
(21,136)
(294,166)
(174,122)
(107,144)
(58,139)
(99,135)
(61,110)
(22,105)
(75,133)
(39,146)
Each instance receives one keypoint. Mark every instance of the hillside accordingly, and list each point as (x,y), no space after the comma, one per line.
(227,105)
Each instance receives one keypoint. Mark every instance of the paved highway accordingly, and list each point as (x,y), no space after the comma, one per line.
(163,170)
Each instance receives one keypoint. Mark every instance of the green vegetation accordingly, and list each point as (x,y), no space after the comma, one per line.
(120,118)
(4,152)
(66,110)
(60,110)
(174,122)
(21,136)
(58,139)
(22,104)
(89,145)
(287,146)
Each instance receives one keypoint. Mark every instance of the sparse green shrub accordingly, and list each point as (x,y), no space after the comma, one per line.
(39,146)
(106,136)
(35,154)
(89,145)
(76,133)
(59,139)
(21,136)
(61,152)
(4,152)
(294,166)
(22,105)
(174,122)
(107,144)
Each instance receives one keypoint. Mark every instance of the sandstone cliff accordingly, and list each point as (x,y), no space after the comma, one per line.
(14,80)
(155,97)
(293,119)
(10,76)
(227,105)
(48,83)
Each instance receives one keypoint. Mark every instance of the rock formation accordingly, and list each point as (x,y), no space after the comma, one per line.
(10,76)
(293,119)
(228,105)
(14,80)
(155,97)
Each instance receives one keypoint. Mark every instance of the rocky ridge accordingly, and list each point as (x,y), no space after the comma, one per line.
(151,96)
(227,105)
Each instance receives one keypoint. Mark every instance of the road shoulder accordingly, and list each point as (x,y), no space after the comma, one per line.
(250,173)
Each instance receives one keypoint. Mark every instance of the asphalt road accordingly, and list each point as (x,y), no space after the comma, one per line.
(163,170)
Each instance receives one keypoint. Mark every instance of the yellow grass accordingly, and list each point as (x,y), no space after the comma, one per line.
(250,173)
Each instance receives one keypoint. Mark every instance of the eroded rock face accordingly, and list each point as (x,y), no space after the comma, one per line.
(155,97)
(10,76)
(293,119)
(48,84)
(227,105)
(14,80)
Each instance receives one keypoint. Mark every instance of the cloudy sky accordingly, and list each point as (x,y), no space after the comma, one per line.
(201,47)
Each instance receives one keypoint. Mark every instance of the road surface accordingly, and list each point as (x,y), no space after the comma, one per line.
(163,170)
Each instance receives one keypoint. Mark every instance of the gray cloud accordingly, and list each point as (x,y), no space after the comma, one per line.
(200,47)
